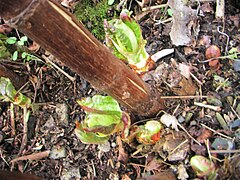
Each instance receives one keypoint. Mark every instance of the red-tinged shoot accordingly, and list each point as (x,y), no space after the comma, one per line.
(9,94)
(149,133)
(203,167)
(124,37)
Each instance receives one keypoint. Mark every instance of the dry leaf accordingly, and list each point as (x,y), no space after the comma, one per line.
(154,164)
(182,173)
(184,70)
(185,87)
(122,156)
(184,23)
(205,134)
(167,175)
(169,120)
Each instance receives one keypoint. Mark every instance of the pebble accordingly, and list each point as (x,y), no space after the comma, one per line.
(236,65)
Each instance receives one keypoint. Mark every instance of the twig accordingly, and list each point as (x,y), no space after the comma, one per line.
(176,148)
(221,32)
(221,57)
(94,169)
(58,68)
(225,151)
(26,114)
(154,7)
(34,156)
(13,132)
(134,164)
(196,79)
(215,108)
(160,54)
(188,134)
(208,149)
(3,157)
(182,97)
(223,135)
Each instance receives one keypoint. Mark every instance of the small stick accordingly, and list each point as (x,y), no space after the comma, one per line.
(208,149)
(221,32)
(225,151)
(58,68)
(196,79)
(223,135)
(154,7)
(182,97)
(215,108)
(26,114)
(188,134)
(13,133)
(3,157)
(176,148)
(34,156)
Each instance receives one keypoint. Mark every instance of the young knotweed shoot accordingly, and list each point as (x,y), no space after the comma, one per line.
(124,36)
(203,167)
(9,94)
(103,118)
(149,133)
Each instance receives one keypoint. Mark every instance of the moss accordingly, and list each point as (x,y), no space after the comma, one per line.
(92,16)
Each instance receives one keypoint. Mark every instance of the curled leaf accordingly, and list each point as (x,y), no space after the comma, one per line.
(103,118)
(124,36)
(203,166)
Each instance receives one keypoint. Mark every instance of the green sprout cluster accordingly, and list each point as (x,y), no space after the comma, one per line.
(124,37)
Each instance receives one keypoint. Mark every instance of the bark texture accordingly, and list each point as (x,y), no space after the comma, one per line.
(15,79)
(60,33)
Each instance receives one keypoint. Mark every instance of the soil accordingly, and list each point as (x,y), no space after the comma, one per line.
(51,125)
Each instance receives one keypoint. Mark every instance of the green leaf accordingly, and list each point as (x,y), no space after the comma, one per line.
(103,118)
(105,111)
(24,39)
(15,56)
(89,137)
(110,2)
(202,166)
(9,94)
(20,43)
(169,11)
(24,54)
(124,36)
(11,40)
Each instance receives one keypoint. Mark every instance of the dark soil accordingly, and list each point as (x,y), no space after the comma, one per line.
(75,160)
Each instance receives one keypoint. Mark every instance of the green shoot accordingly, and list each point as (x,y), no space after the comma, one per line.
(203,167)
(9,94)
(103,118)
(124,37)
(149,133)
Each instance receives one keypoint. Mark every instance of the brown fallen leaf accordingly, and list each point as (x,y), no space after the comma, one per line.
(205,134)
(154,164)
(122,156)
(185,87)
(167,175)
